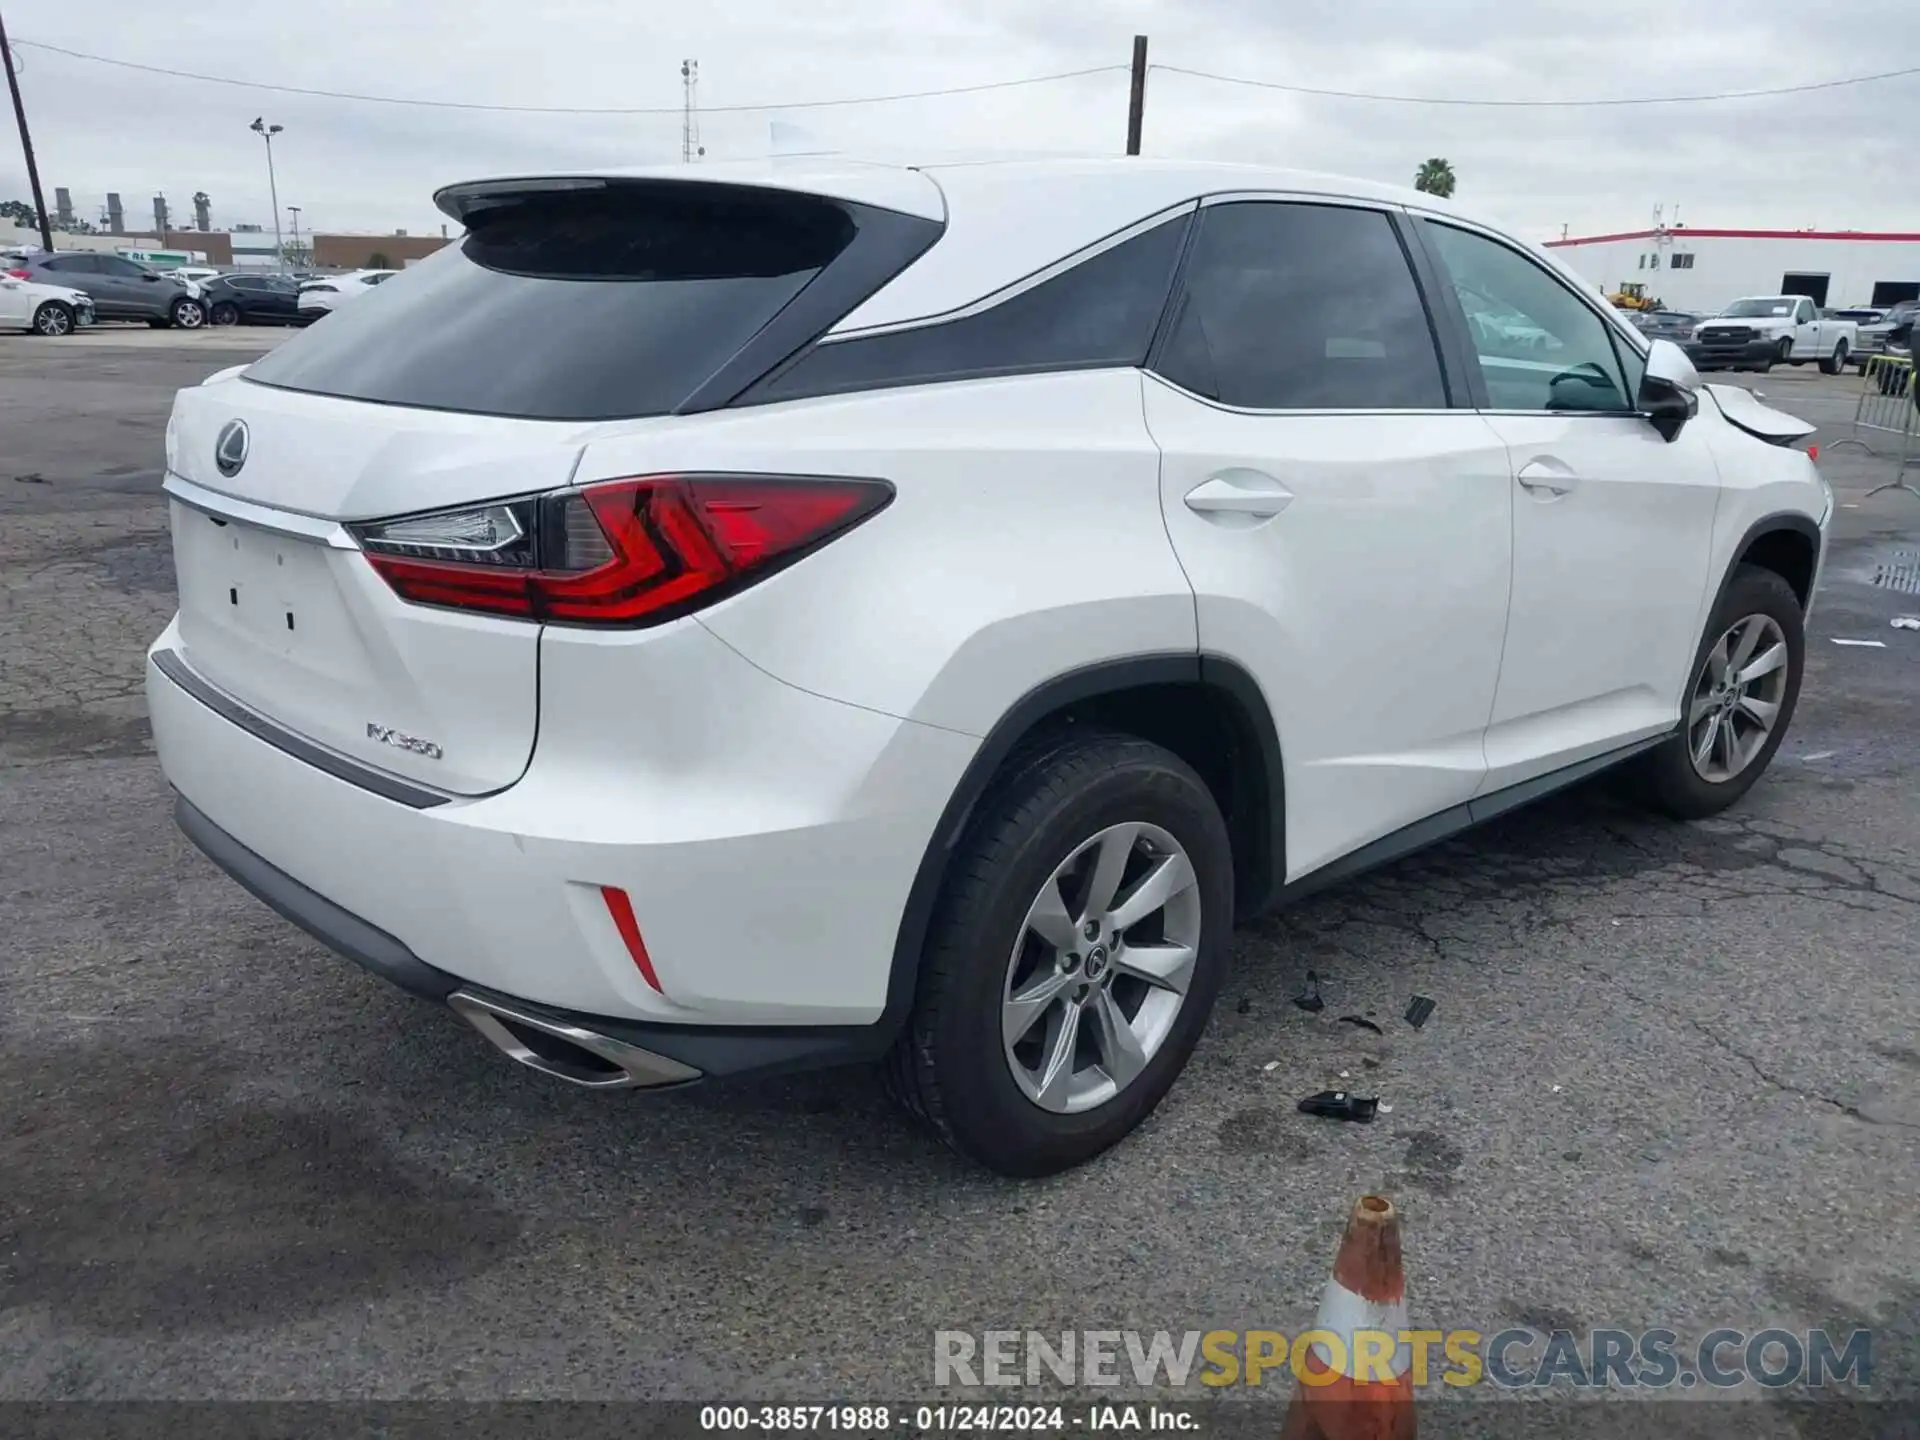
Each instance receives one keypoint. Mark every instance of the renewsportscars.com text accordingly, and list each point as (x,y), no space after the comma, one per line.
(1654,1359)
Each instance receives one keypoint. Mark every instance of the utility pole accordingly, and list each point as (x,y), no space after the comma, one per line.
(690,147)
(1137,100)
(26,143)
(294,211)
(266,132)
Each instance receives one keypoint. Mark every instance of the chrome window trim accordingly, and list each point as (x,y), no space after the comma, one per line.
(1426,410)
(1018,287)
(330,533)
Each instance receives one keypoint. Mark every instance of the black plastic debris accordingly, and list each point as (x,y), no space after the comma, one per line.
(1245,1007)
(1362,1022)
(1419,1010)
(1309,998)
(1340,1105)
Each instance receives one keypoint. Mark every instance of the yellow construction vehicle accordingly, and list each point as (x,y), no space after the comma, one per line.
(1632,295)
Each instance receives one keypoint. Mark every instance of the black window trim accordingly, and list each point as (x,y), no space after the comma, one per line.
(1618,331)
(757,394)
(1016,288)
(1453,371)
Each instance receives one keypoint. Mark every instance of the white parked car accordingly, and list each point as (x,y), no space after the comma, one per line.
(1761,331)
(43,309)
(332,291)
(858,612)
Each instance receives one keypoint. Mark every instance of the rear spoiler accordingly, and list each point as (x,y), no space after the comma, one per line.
(1745,411)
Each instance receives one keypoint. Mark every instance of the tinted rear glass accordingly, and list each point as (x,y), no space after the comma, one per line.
(589,306)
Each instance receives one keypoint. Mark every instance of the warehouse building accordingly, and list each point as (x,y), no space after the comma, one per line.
(1693,269)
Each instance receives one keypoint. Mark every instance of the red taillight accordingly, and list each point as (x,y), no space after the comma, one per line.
(625,553)
(1813,452)
(20,274)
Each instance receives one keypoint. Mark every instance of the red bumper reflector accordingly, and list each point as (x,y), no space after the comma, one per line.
(1813,452)
(621,908)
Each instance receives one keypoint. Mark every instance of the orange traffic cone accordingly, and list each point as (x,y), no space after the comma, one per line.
(1365,1300)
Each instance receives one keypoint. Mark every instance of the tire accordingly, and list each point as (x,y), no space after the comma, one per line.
(158,324)
(53,319)
(1671,781)
(1836,362)
(1058,807)
(187,314)
(225,313)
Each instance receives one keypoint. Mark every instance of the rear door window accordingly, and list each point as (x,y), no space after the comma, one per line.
(1302,307)
(591,305)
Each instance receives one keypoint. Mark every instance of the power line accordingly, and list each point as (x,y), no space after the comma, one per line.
(562,109)
(1539,104)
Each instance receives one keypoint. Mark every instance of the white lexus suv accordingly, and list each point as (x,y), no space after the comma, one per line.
(763,618)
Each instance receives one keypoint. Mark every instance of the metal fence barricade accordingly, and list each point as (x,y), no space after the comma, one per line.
(1887,405)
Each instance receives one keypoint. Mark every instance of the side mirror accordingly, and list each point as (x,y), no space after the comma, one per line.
(1670,390)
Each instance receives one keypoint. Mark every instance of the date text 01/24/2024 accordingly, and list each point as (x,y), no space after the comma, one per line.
(1100,1419)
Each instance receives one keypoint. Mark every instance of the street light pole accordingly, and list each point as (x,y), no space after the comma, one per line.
(266,132)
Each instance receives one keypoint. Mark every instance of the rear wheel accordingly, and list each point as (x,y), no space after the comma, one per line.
(1836,362)
(225,313)
(55,317)
(1746,681)
(1074,955)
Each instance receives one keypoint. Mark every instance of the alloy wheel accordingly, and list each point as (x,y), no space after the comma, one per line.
(52,320)
(1737,698)
(1101,967)
(188,315)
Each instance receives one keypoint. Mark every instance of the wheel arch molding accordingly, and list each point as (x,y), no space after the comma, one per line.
(1774,543)
(1207,709)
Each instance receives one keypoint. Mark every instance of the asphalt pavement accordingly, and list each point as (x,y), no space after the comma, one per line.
(1673,1077)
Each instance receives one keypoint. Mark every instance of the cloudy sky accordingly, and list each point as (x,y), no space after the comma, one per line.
(1839,158)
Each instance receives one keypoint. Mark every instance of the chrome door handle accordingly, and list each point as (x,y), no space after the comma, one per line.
(1546,477)
(1239,492)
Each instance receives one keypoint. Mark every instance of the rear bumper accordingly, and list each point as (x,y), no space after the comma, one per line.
(768,893)
(657,1055)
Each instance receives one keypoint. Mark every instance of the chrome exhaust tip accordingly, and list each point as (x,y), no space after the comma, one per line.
(566,1052)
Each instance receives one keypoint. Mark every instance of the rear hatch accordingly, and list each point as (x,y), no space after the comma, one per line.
(476,376)
(305,632)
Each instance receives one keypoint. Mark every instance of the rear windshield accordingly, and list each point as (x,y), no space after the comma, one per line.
(575,306)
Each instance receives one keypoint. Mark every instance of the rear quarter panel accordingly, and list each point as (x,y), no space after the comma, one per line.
(1024,540)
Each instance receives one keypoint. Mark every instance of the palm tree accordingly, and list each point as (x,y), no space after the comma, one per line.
(1435,177)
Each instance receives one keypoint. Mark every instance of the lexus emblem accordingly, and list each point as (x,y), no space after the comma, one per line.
(230,450)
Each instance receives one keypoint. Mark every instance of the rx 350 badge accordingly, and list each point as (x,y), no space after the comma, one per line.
(400,740)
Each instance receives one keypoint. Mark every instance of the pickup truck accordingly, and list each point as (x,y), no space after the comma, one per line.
(1761,331)
(1883,331)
